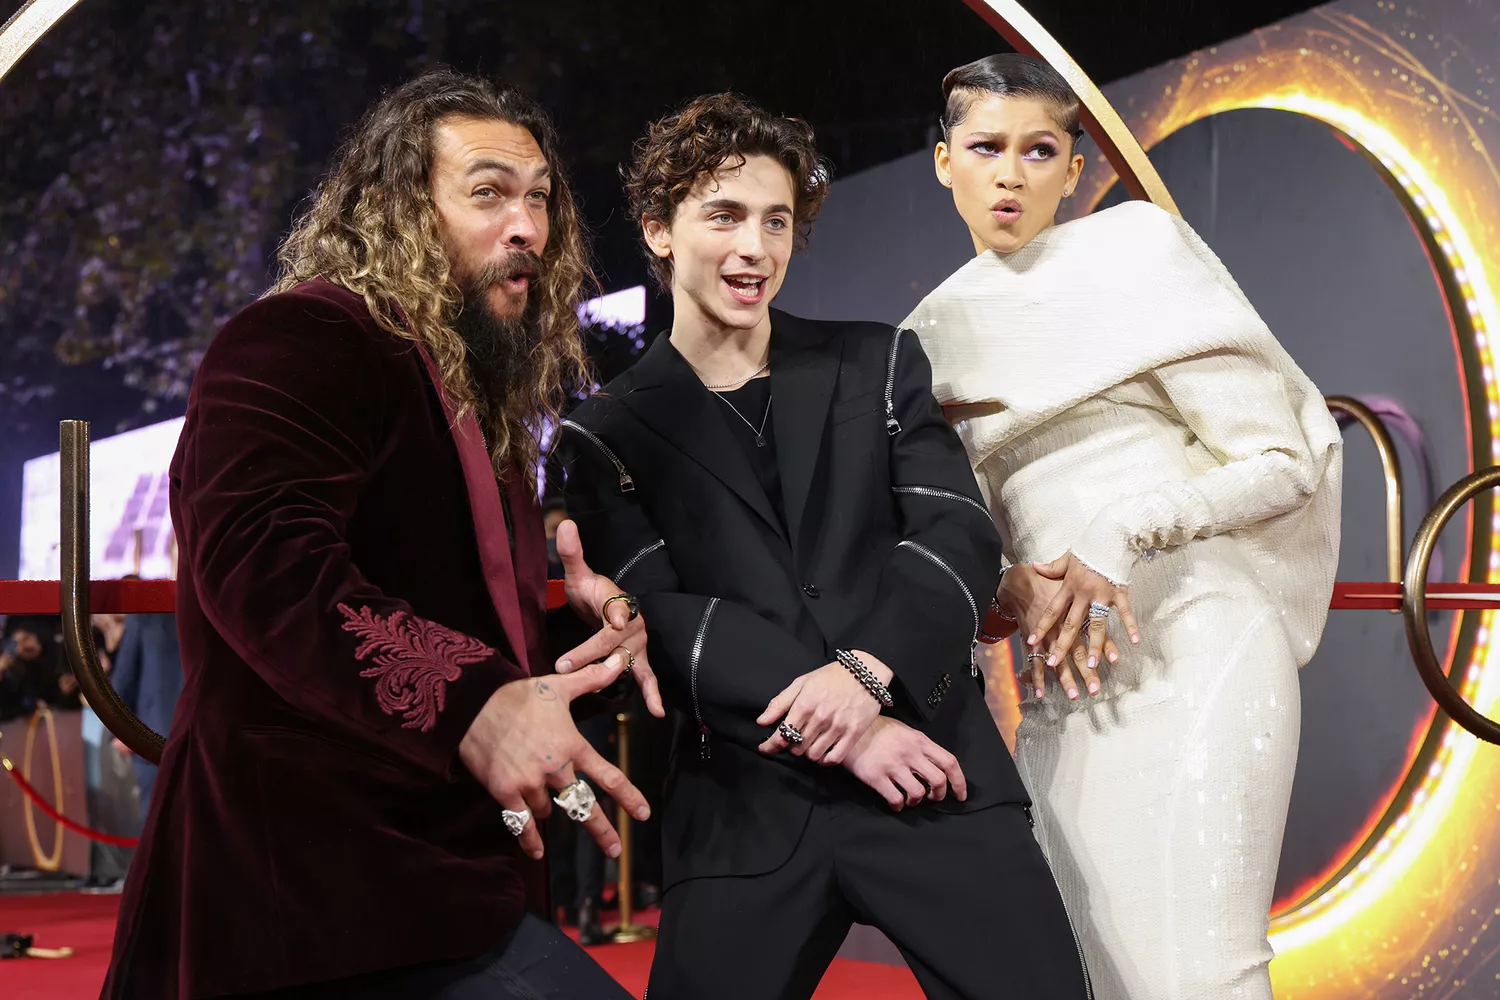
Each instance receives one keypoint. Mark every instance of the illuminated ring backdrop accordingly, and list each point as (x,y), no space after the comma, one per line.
(1412,903)
(1399,916)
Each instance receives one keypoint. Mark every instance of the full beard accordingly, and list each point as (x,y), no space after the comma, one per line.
(502,354)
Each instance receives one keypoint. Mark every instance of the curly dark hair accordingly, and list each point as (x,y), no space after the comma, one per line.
(712,132)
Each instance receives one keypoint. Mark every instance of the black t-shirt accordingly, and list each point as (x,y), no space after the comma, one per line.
(752,401)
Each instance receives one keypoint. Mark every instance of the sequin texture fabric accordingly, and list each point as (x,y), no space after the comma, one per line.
(1120,399)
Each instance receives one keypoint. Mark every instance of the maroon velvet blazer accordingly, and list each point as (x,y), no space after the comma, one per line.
(347,600)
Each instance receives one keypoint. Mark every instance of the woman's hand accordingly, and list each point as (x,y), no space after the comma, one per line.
(1068,611)
(1025,595)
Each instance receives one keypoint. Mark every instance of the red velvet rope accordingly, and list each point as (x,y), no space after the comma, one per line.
(42,597)
(129,597)
(46,807)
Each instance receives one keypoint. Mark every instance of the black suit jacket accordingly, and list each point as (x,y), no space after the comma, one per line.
(887,548)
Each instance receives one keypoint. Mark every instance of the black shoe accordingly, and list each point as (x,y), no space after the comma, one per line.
(590,931)
(647,896)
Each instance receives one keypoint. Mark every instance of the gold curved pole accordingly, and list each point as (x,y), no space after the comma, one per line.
(1390,464)
(22,29)
(1116,141)
(1414,604)
(78,630)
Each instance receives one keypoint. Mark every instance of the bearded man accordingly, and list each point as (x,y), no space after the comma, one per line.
(348,801)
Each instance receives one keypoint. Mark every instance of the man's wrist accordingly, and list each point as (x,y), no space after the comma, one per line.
(876,665)
(855,664)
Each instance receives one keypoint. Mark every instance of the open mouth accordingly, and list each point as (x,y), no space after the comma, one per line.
(746,288)
(1006,210)
(519,281)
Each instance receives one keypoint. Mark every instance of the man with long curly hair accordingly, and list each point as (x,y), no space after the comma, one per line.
(813,558)
(349,797)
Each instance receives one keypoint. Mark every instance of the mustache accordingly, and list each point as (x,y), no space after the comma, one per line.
(514,264)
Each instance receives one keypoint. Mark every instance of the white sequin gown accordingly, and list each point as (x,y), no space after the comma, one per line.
(1120,399)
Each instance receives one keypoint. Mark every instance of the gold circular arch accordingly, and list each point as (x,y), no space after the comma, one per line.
(1366,902)
(1100,119)
(36,17)
(23,28)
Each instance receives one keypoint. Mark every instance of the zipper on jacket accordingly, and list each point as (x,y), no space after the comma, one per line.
(942,564)
(941,494)
(693,660)
(892,425)
(630,563)
(626,483)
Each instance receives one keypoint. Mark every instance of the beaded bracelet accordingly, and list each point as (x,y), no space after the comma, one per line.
(862,673)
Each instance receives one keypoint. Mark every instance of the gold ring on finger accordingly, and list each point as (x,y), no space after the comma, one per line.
(631,604)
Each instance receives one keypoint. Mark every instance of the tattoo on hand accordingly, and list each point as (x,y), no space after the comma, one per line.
(566,763)
(544,691)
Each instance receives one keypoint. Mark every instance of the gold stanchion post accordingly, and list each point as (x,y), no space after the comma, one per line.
(627,931)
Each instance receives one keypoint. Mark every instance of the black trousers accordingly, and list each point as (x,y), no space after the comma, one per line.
(536,962)
(968,898)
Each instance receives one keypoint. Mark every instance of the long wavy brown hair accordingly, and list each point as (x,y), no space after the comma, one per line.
(372,228)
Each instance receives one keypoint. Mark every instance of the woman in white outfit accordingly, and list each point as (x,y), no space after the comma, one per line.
(1143,443)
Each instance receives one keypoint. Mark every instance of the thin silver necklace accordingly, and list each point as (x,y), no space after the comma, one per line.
(738,381)
(760,435)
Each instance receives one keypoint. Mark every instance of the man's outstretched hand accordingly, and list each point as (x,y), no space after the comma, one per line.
(587,591)
(523,744)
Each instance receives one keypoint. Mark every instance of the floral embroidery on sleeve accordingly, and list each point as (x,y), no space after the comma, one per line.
(414,658)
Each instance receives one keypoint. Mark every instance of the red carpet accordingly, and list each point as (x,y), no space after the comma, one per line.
(86,924)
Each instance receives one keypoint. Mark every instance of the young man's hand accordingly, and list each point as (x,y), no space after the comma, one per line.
(829,707)
(904,766)
(621,639)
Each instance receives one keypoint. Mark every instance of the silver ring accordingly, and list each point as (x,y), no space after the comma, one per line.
(630,663)
(1097,610)
(790,733)
(577,800)
(1035,656)
(515,821)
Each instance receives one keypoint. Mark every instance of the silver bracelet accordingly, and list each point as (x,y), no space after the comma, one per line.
(862,673)
(995,603)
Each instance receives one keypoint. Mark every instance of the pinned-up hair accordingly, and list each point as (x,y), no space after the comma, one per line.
(1008,74)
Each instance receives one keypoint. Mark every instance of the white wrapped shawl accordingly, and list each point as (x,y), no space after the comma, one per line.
(1130,293)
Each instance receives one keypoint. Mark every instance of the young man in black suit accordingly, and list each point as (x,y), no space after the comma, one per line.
(801,530)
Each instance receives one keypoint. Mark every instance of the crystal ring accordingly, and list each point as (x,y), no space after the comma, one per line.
(1097,610)
(515,821)
(577,800)
(790,733)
